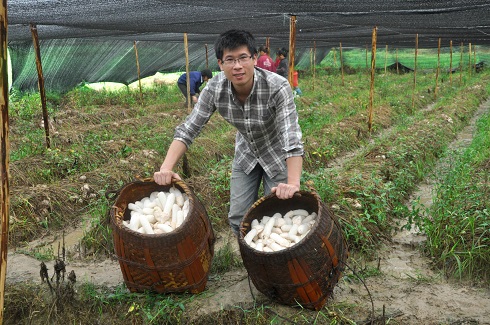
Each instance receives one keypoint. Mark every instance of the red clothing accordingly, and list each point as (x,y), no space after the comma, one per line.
(266,63)
(278,60)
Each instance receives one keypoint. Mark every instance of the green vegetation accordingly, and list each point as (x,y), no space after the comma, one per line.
(427,59)
(458,222)
(101,140)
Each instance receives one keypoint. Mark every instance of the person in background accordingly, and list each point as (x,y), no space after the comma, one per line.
(260,105)
(264,61)
(297,91)
(278,59)
(283,67)
(197,78)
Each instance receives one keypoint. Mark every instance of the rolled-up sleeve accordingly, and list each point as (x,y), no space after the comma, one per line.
(287,119)
(195,121)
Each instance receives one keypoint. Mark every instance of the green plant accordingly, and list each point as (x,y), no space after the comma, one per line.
(458,222)
(225,259)
(44,253)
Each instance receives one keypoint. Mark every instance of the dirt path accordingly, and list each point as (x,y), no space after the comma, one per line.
(407,289)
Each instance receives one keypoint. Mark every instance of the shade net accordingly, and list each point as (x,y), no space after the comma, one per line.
(91,41)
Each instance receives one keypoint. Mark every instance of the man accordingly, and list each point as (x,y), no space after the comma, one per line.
(260,105)
(196,80)
(264,61)
(283,66)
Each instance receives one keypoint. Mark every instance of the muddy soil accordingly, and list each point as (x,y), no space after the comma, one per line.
(407,291)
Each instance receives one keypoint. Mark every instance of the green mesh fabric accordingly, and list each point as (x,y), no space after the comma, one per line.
(89,41)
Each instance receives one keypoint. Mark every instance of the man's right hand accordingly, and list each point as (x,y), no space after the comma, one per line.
(165,177)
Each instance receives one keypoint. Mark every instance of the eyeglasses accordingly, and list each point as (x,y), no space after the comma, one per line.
(244,59)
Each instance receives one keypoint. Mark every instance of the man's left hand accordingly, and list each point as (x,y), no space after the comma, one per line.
(285,191)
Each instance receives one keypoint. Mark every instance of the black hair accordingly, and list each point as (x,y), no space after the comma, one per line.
(207,73)
(232,40)
(284,51)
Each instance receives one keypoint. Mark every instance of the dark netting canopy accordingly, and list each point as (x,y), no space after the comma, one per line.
(93,40)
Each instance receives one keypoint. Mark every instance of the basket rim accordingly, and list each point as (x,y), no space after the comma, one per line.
(117,221)
(287,250)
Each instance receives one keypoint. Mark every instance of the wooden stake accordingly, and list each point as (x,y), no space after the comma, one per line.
(367,67)
(397,63)
(207,59)
(373,69)
(40,77)
(188,81)
(314,64)
(138,69)
(292,47)
(4,155)
(474,58)
(450,62)
(461,64)
(386,57)
(311,60)
(469,58)
(341,64)
(415,70)
(438,66)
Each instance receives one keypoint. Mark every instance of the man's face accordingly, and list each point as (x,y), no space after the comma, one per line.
(238,66)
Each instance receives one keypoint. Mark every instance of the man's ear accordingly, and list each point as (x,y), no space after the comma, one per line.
(220,63)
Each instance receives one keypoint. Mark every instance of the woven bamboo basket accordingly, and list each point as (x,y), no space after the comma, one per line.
(173,262)
(306,273)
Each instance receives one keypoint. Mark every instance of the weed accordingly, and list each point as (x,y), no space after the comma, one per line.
(45,253)
(225,259)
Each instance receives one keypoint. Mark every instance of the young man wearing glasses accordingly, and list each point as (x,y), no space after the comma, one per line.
(260,104)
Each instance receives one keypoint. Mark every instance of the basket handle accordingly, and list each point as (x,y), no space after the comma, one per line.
(113,193)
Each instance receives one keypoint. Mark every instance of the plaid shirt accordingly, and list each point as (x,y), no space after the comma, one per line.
(267,123)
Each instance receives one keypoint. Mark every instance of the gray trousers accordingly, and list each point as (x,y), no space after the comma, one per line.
(183,90)
(244,191)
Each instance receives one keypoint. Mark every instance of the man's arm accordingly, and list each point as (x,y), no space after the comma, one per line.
(165,175)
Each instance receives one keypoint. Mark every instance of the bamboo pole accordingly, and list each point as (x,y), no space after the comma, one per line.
(438,67)
(292,47)
(138,69)
(311,60)
(185,161)
(373,69)
(187,78)
(474,58)
(386,57)
(397,63)
(461,64)
(341,63)
(40,77)
(367,67)
(469,59)
(314,64)
(206,54)
(4,156)
(415,70)
(451,63)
